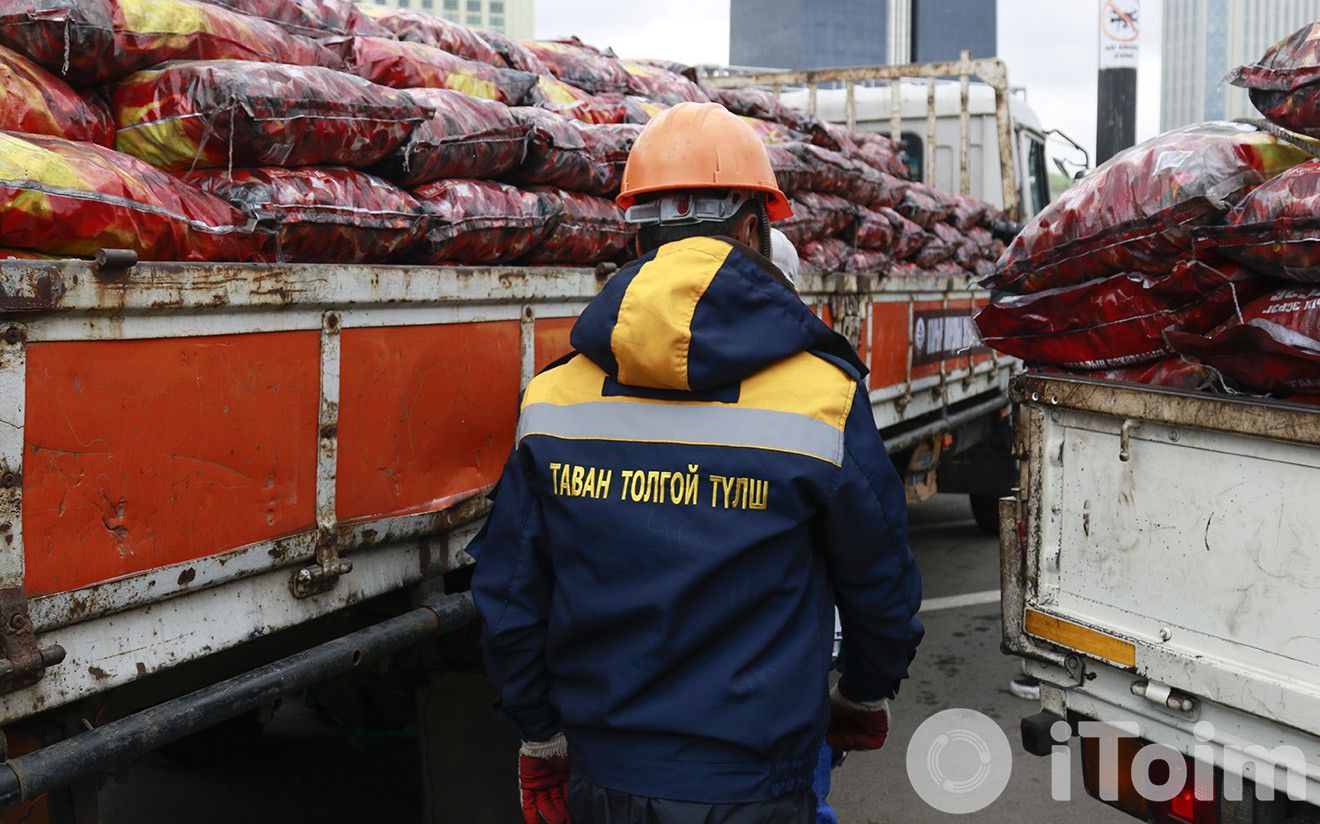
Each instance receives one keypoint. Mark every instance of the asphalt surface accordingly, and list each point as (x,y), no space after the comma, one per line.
(303,769)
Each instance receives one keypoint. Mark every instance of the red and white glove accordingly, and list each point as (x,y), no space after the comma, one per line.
(857,725)
(543,769)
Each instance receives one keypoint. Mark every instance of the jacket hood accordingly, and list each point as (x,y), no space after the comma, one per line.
(698,314)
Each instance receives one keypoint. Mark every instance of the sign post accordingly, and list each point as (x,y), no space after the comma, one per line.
(1116,101)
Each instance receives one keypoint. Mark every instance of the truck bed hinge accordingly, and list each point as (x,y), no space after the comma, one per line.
(324,574)
(24,662)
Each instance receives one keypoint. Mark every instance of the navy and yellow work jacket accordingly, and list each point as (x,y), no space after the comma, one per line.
(691,492)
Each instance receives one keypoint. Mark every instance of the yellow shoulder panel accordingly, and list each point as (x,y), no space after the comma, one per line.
(804,385)
(578,381)
(651,338)
(801,384)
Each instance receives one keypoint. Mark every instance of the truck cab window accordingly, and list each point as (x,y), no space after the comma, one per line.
(1037,187)
(916,155)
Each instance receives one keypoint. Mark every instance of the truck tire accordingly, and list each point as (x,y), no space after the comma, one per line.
(985,511)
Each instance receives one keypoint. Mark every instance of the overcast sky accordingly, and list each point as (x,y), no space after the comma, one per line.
(1050,47)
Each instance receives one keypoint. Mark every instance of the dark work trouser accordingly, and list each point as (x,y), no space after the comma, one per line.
(592,804)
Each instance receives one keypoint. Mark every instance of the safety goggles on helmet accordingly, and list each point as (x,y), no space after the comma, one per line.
(688,208)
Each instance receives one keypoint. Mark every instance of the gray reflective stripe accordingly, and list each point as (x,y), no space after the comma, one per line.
(685,423)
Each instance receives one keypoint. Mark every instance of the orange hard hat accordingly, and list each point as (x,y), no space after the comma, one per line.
(700,146)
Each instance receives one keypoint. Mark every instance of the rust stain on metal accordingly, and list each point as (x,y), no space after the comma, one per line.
(187,576)
(33,290)
(98,673)
(1284,422)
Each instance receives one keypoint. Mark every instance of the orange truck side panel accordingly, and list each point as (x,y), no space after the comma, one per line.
(426,414)
(552,340)
(144,453)
(889,343)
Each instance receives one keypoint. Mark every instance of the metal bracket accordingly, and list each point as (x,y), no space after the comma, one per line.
(24,663)
(324,574)
(322,577)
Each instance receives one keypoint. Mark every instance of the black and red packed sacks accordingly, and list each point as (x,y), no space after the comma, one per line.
(827,255)
(880,153)
(984,242)
(772,133)
(891,191)
(801,227)
(791,172)
(467,137)
(932,253)
(909,238)
(439,33)
(816,216)
(873,230)
(1117,321)
(227,113)
(609,145)
(833,136)
(309,18)
(1284,84)
(947,269)
(1274,346)
(482,221)
(868,262)
(322,214)
(905,269)
(1135,212)
(654,83)
(1174,373)
(590,230)
(965,251)
(512,52)
(565,99)
(38,102)
(668,65)
(640,110)
(1275,229)
(94,41)
(764,105)
(967,212)
(59,197)
(574,62)
(835,214)
(406,65)
(557,153)
(924,205)
(834,173)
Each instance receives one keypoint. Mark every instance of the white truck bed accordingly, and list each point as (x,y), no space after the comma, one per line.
(1161,564)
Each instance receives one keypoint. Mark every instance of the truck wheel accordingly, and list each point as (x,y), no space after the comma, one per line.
(985,511)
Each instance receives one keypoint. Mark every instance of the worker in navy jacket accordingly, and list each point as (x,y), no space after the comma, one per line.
(693,488)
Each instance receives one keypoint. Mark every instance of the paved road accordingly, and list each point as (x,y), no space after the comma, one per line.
(303,770)
(959,665)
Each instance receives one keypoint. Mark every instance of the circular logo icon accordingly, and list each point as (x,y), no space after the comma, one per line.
(919,335)
(959,761)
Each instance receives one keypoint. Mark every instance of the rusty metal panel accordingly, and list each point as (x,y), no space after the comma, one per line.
(1294,423)
(13,371)
(426,414)
(119,648)
(162,288)
(110,490)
